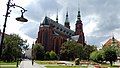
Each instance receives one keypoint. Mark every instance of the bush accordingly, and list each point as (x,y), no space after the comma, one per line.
(97,56)
(53,55)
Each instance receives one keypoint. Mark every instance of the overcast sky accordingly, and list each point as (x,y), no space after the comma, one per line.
(101,18)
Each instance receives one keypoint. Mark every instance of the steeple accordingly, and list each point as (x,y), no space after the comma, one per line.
(66,20)
(79,29)
(113,40)
(67,24)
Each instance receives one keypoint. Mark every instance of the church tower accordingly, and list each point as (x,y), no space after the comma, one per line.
(79,29)
(67,23)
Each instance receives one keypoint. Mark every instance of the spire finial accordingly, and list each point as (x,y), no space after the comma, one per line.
(78,5)
(57,16)
(78,16)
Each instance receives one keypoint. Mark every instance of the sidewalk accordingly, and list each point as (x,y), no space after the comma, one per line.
(28,64)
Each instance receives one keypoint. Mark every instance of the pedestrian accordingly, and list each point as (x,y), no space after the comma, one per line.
(17,63)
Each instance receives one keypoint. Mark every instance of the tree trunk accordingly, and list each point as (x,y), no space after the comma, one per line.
(111,63)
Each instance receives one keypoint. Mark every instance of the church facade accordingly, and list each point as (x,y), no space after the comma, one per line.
(52,34)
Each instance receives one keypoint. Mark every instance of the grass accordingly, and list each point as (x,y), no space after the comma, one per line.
(65,67)
(7,67)
(108,65)
(53,64)
(46,62)
(7,64)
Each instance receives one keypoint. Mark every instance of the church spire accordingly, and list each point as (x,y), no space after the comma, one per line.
(66,20)
(79,28)
(67,24)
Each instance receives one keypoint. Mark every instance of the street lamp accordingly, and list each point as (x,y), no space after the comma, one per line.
(21,19)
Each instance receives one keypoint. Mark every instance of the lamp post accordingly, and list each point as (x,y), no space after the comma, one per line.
(22,19)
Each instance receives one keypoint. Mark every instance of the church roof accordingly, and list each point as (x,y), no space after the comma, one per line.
(57,26)
(110,42)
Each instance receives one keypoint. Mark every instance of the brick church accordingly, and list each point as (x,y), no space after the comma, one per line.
(52,34)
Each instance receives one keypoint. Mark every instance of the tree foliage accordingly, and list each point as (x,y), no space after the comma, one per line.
(47,56)
(67,51)
(12,48)
(71,50)
(87,50)
(110,54)
(106,54)
(97,56)
(38,52)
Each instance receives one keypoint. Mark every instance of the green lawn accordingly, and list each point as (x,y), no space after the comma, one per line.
(7,64)
(65,67)
(46,62)
(53,64)
(7,67)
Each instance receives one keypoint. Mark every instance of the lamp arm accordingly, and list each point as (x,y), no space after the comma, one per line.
(14,5)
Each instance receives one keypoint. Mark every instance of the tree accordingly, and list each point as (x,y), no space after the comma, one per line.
(87,50)
(12,47)
(71,50)
(38,52)
(110,55)
(79,51)
(67,51)
(116,47)
(97,56)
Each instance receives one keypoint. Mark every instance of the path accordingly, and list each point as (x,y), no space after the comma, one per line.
(117,63)
(28,64)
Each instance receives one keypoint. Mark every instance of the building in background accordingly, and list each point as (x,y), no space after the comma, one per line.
(52,34)
(112,41)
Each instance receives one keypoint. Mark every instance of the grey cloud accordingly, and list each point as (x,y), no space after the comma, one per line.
(108,10)
(30,29)
(40,8)
(93,40)
(36,11)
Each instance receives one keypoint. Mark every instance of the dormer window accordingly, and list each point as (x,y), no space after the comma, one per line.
(57,27)
(67,32)
(60,29)
(53,25)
